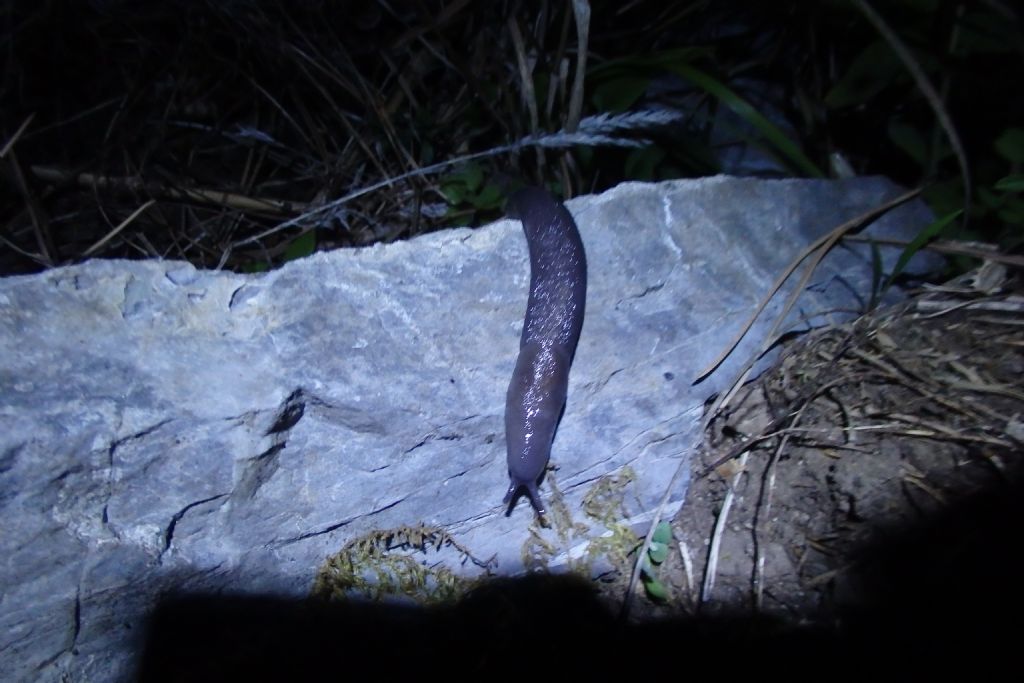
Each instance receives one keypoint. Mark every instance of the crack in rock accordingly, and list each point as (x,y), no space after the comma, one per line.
(647,290)
(112,456)
(177,516)
(291,412)
(335,526)
(257,472)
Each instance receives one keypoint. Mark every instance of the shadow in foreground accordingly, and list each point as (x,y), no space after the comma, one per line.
(931,598)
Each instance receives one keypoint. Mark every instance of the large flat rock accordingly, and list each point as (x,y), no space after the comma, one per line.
(168,429)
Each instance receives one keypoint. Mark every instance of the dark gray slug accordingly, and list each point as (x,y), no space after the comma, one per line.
(554,317)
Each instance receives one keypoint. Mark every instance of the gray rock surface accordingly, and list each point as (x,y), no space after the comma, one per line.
(167,429)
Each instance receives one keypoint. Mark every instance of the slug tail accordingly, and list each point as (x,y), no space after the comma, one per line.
(535,499)
(511,492)
(531,493)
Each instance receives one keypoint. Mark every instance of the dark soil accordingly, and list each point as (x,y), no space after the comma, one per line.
(892,480)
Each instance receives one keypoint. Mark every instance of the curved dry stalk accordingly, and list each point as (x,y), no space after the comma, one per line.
(827,240)
(581,10)
(635,576)
(716,536)
(113,233)
(594,130)
(823,246)
(926,88)
(135,184)
(17,134)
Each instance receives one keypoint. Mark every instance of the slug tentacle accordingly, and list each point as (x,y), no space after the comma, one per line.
(551,330)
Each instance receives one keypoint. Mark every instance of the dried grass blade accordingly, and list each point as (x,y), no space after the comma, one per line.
(113,233)
(17,134)
(829,239)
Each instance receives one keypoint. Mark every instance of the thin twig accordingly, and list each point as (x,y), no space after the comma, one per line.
(711,570)
(635,576)
(947,247)
(686,557)
(594,130)
(829,239)
(17,134)
(766,512)
(135,184)
(40,222)
(526,82)
(823,246)
(581,10)
(113,233)
(925,86)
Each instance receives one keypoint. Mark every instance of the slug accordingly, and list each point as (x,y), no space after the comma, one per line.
(554,318)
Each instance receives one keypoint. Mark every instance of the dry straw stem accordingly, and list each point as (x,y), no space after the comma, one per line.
(764,512)
(526,84)
(926,88)
(136,185)
(989,252)
(708,585)
(819,248)
(940,307)
(124,224)
(823,245)
(40,221)
(17,134)
(686,556)
(581,10)
(868,356)
(594,130)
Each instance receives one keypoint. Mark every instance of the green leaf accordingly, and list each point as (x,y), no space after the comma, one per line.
(926,235)
(490,197)
(870,72)
(619,94)
(920,7)
(988,198)
(648,65)
(775,137)
(655,589)
(474,176)
(1011,183)
(641,163)
(303,245)
(944,196)
(657,552)
(982,32)
(1010,145)
(910,140)
(454,193)
(427,153)
(660,540)
(876,274)
(584,154)
(469,176)
(1012,213)
(623,79)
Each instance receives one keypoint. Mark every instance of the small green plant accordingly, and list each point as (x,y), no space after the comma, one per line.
(301,246)
(467,192)
(652,560)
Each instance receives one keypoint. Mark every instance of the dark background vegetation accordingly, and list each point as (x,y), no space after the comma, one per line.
(208,130)
(225,133)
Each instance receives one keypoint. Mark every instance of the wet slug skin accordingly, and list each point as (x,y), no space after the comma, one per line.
(554,318)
